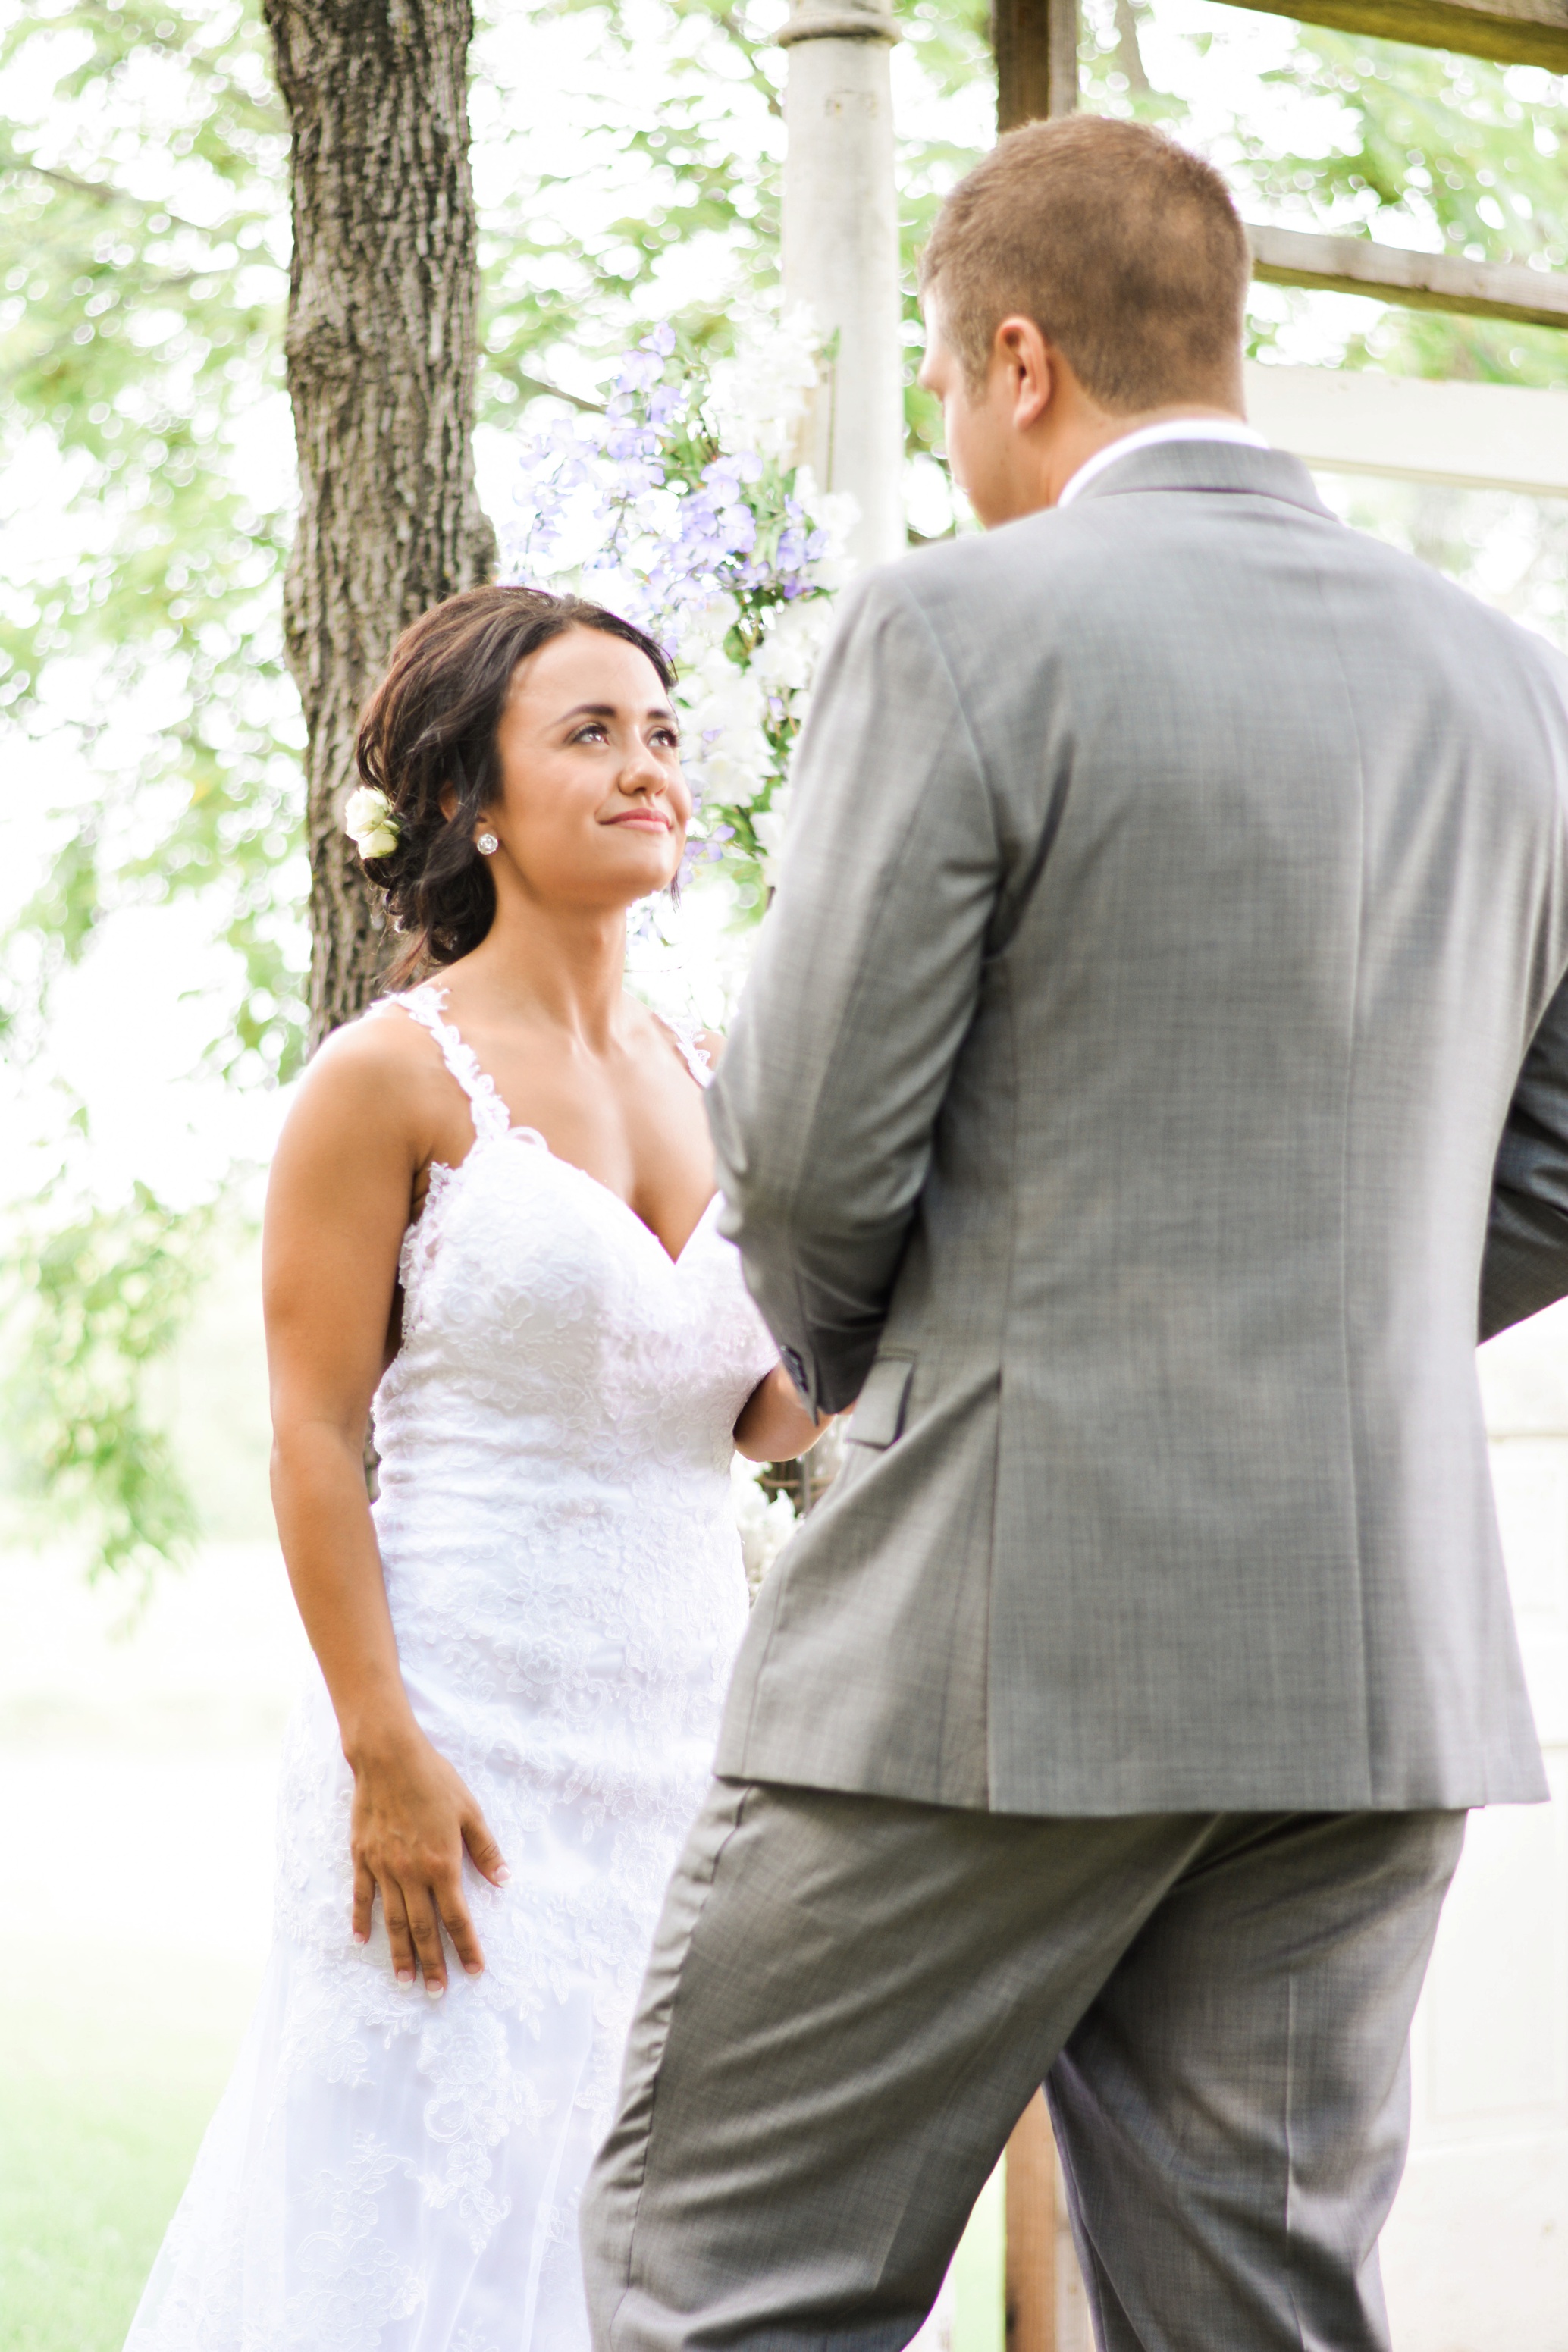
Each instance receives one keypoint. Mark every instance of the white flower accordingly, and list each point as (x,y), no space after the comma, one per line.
(835,514)
(785,661)
(735,769)
(768,824)
(760,395)
(766,1527)
(725,694)
(369,822)
(728,754)
(704,629)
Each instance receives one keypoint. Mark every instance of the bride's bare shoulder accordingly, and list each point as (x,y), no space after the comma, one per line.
(382,1069)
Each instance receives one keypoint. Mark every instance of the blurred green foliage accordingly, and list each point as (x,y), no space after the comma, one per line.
(1469,154)
(547,281)
(94,1297)
(142,258)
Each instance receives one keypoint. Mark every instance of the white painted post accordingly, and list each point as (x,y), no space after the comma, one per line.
(841,256)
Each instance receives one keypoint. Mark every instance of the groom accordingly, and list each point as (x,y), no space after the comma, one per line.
(1157,1050)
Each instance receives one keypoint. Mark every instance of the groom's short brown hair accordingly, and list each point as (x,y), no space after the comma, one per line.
(1125,250)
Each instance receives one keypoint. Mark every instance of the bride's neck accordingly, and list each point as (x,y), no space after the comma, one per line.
(563,966)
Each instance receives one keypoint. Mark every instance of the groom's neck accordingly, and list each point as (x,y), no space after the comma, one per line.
(1067,442)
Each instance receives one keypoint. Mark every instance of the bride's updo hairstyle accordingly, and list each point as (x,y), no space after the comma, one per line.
(431,723)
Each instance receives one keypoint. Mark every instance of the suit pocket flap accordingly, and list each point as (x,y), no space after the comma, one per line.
(878,1415)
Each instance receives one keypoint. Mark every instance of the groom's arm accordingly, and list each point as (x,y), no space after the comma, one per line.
(864,985)
(1526,1262)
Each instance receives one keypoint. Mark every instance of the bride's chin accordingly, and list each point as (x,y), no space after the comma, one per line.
(641,877)
(623,890)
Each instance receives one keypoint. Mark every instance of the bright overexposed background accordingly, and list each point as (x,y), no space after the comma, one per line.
(138,1735)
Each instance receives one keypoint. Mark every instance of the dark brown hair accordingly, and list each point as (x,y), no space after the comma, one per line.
(1124,249)
(431,723)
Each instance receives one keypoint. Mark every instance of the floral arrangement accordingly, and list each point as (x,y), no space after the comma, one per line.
(682,508)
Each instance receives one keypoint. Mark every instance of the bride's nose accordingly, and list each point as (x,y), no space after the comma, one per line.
(641,773)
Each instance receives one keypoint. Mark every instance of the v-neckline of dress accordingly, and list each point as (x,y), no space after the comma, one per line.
(493,1121)
(674,1259)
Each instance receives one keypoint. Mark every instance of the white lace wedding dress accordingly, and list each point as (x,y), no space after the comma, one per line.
(391,2174)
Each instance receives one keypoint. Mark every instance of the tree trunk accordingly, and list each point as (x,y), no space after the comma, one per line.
(1036,46)
(382,345)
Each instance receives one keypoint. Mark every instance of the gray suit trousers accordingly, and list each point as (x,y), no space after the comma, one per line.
(852,1999)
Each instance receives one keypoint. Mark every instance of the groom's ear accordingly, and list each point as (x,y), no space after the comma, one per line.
(1027,363)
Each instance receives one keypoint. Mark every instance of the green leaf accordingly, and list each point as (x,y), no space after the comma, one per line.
(93,1299)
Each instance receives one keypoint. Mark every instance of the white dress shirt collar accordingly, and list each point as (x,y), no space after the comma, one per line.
(1150,437)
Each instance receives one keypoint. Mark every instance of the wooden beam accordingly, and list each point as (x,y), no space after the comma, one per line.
(1035,43)
(1424,282)
(1031,2207)
(1484,436)
(1510,32)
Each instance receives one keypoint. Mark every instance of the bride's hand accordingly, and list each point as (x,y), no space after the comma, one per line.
(412,1818)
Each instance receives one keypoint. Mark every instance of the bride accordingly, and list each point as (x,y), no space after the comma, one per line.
(491,1225)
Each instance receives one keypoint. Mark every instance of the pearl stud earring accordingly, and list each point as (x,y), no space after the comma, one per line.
(487,845)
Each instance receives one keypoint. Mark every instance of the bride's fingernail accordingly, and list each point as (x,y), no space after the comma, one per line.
(360,1938)
(473,1968)
(406,1978)
(433,1990)
(502,1875)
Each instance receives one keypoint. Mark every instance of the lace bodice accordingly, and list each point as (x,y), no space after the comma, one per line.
(539,1308)
(563,1573)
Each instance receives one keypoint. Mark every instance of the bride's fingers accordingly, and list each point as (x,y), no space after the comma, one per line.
(404,1966)
(458,1926)
(425,1930)
(486,1854)
(364,1897)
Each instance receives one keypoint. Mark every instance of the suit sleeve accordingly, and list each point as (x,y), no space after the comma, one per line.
(1526,1262)
(864,983)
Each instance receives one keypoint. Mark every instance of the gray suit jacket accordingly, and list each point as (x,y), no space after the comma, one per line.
(1175,887)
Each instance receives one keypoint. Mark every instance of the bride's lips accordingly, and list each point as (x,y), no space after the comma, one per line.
(643,821)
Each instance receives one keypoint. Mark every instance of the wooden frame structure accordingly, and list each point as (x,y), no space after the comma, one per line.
(1035,43)
(1422,281)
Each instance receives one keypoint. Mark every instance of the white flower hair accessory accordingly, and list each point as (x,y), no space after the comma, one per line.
(371,823)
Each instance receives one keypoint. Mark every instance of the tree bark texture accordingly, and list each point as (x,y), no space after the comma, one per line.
(382,347)
(1035,47)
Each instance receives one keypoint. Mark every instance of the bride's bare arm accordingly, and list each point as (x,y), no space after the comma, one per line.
(336,1209)
(774,1426)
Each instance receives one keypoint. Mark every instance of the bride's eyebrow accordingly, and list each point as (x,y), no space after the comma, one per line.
(660,711)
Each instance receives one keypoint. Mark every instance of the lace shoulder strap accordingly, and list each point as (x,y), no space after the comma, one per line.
(693,1053)
(428,1004)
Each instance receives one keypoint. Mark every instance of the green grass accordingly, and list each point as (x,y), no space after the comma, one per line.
(107,2080)
(105,2090)
(979,2323)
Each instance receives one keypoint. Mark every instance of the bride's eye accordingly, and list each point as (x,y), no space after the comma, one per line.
(595,731)
(666,739)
